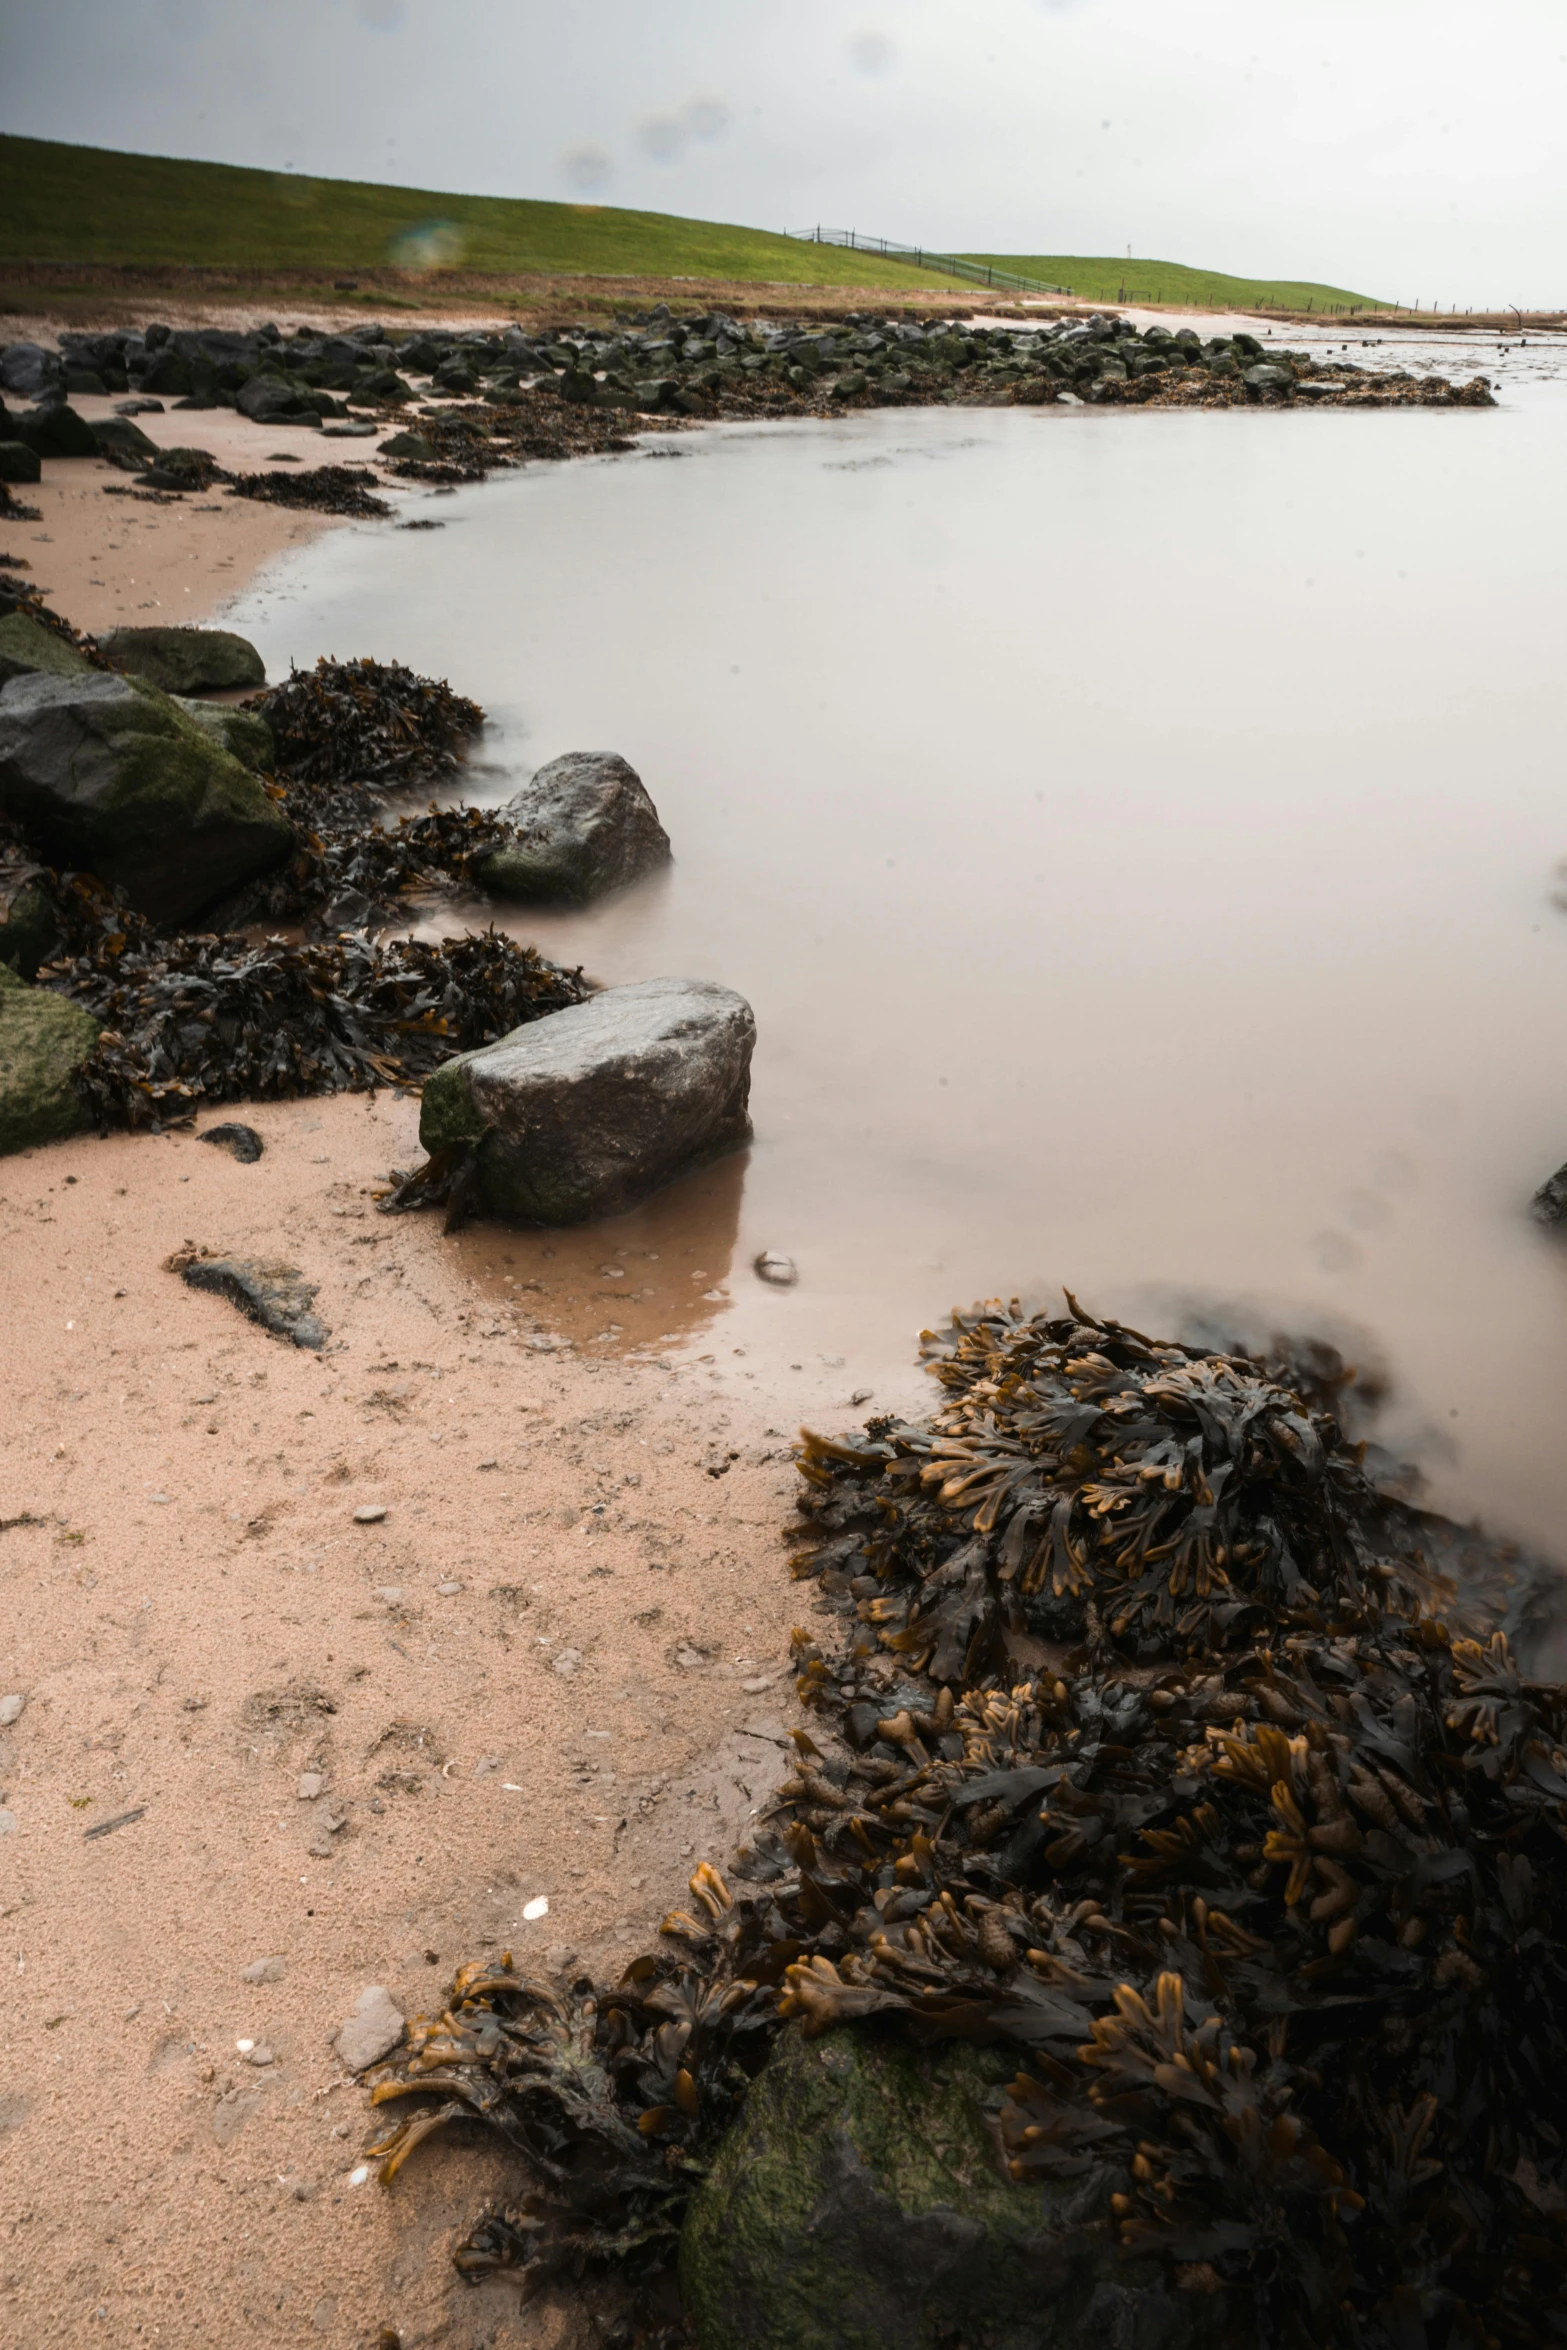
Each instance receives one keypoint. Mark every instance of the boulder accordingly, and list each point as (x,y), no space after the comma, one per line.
(186,660)
(44,1039)
(55,431)
(409,444)
(1549,1204)
(107,772)
(125,438)
(586,825)
(19,463)
(29,926)
(28,649)
(270,399)
(28,369)
(1267,378)
(242,732)
(586,1111)
(859,2203)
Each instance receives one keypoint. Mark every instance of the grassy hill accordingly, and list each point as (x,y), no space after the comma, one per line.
(63,204)
(1105,280)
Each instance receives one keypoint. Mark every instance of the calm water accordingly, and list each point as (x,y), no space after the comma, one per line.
(1136,834)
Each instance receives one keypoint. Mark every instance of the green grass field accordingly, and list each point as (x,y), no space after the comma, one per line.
(92,205)
(1100,280)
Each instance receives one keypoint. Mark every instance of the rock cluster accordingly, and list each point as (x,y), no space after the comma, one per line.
(705,365)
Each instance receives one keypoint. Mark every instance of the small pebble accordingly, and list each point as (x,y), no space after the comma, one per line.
(448,1590)
(538,1907)
(11,1709)
(259,2055)
(370,1513)
(775,1268)
(568,1662)
(389,1594)
(311,1784)
(262,1970)
(358,2175)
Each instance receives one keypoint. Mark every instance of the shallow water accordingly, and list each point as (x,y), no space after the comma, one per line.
(1136,834)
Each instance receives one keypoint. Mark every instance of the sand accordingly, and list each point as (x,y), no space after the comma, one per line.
(556,1665)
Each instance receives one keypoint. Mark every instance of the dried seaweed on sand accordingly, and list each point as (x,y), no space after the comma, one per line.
(324,489)
(1156,1752)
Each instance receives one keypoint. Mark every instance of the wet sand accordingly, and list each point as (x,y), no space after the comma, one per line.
(555,1666)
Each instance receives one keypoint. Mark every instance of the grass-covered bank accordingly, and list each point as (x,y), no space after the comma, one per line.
(83,205)
(1102,278)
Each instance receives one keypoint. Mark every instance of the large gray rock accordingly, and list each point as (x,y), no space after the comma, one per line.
(44,1039)
(108,773)
(859,2204)
(587,825)
(186,660)
(585,1112)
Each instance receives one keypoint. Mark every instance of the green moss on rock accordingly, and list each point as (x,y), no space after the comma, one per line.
(859,2204)
(241,732)
(26,649)
(44,1039)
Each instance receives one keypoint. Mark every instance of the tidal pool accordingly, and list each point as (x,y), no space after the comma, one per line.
(1136,833)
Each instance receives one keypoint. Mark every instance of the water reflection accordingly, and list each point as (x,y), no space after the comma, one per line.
(657,1277)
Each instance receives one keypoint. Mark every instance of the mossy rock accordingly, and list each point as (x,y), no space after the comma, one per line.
(241,732)
(186,660)
(19,463)
(107,772)
(28,928)
(44,1039)
(27,649)
(859,2203)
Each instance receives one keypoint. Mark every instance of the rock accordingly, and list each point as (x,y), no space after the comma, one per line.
(118,433)
(370,1514)
(19,463)
(56,431)
(28,369)
(587,825)
(9,1823)
(276,1296)
(108,772)
(588,1110)
(186,660)
(371,2031)
(408,444)
(1549,1203)
(263,1970)
(261,2054)
(269,399)
(779,1270)
(1267,378)
(12,1709)
(241,1142)
(859,2204)
(243,733)
(311,1784)
(28,649)
(44,1039)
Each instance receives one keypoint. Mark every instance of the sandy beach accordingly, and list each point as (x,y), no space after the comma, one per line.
(257,1728)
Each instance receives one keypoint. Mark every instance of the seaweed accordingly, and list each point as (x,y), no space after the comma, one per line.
(218,1018)
(1158,1751)
(346,721)
(323,489)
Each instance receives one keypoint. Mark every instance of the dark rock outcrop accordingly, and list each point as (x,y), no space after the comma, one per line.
(108,773)
(586,826)
(585,1112)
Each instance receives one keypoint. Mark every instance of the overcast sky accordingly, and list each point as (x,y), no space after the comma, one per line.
(1411,149)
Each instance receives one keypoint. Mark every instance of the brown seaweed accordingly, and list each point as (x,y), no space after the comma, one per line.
(1156,1750)
(219,1018)
(345,721)
(323,489)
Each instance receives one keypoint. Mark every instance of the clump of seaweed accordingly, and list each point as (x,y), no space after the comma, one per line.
(344,722)
(1156,1751)
(324,489)
(195,1019)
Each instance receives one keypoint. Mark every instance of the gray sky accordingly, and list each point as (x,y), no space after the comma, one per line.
(1408,148)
